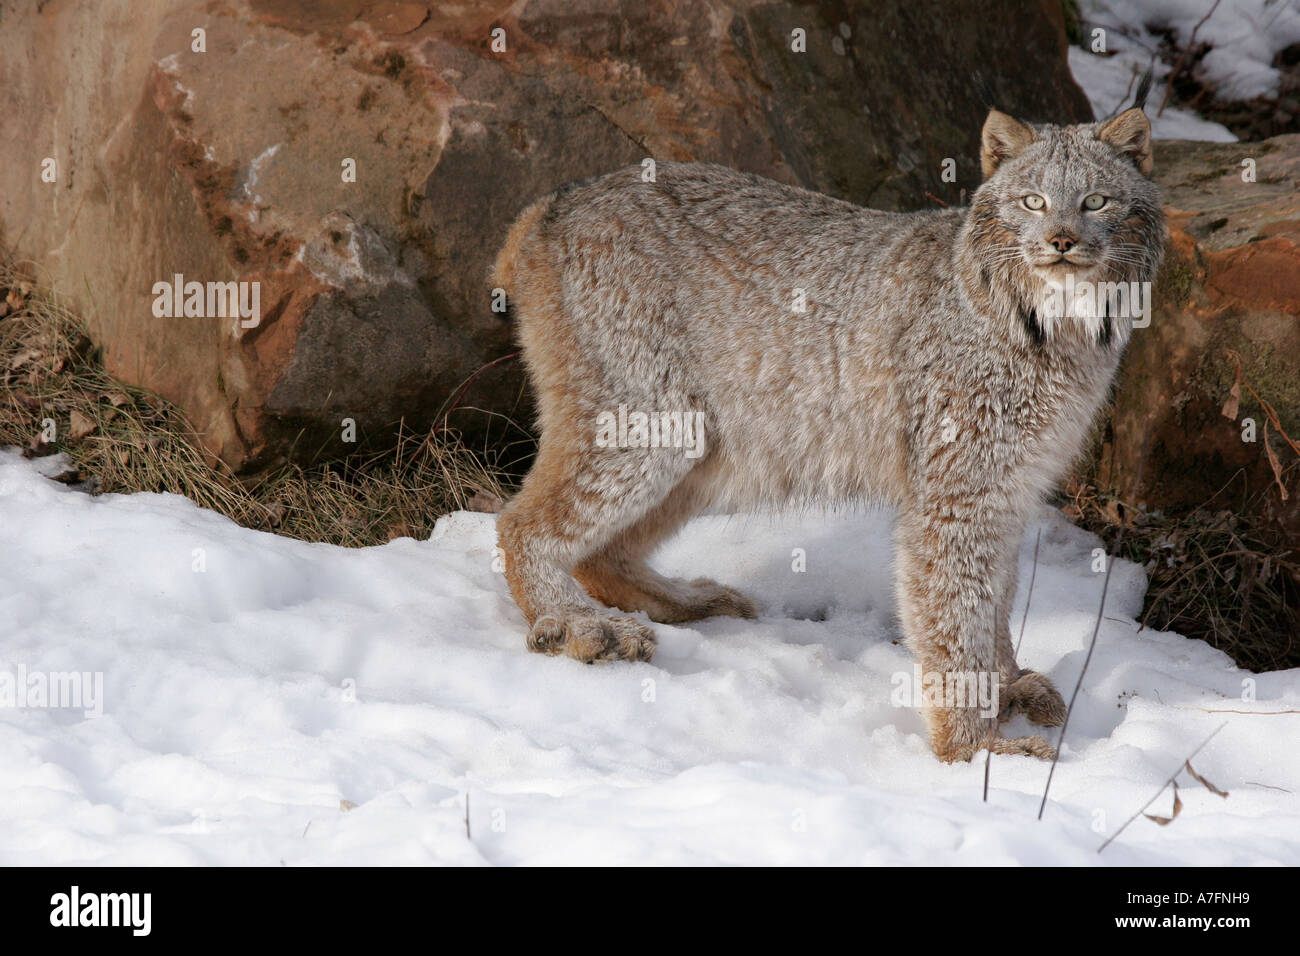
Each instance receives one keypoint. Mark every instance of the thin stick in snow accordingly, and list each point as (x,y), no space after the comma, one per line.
(1038,539)
(1101,612)
(1167,782)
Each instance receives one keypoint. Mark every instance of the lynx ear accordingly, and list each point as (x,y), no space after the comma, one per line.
(1003,138)
(1130,133)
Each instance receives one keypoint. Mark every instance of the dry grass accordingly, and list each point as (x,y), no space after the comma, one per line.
(1213,574)
(56,397)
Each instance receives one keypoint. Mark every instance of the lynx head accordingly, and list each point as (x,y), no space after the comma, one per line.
(1065,205)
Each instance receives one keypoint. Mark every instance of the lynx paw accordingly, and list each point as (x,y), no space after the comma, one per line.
(703,598)
(958,734)
(1034,746)
(718,599)
(1033,695)
(590,637)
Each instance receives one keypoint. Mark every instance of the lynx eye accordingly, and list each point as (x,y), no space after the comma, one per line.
(1094,202)
(1033,202)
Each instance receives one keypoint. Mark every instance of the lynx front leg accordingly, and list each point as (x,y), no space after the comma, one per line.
(951,596)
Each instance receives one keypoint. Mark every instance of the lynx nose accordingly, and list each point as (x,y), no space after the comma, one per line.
(1061,242)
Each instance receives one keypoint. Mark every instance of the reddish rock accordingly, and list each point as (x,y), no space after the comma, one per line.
(224,165)
(1230,289)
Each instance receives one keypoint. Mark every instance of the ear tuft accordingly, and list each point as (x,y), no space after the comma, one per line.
(1130,133)
(1004,137)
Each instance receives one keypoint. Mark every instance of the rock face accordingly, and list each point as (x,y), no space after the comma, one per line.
(228,163)
(1229,292)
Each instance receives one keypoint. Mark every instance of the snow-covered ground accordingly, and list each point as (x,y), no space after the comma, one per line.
(253,687)
(1245,36)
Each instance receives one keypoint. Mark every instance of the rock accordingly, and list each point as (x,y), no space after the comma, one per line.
(228,165)
(1230,287)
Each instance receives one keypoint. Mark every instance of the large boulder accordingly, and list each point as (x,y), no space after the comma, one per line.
(1227,305)
(227,165)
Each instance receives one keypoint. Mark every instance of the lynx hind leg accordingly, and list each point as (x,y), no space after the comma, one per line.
(619,576)
(574,501)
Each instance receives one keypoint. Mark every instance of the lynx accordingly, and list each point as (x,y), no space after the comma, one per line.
(827,354)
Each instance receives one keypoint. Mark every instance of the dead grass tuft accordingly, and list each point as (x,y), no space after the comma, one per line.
(55,396)
(1212,573)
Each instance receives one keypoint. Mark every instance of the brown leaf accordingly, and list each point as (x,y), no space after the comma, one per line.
(1203,782)
(488,504)
(68,476)
(275,512)
(14,299)
(1234,394)
(346,805)
(38,447)
(116,399)
(82,425)
(1274,463)
(1178,808)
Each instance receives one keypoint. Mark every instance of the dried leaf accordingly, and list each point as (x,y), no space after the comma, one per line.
(38,447)
(82,425)
(1178,808)
(346,805)
(275,512)
(488,504)
(1203,782)
(1274,463)
(14,299)
(1234,394)
(1234,398)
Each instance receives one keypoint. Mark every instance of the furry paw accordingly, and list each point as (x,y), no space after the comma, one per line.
(713,599)
(1034,746)
(958,733)
(589,637)
(1033,695)
(698,599)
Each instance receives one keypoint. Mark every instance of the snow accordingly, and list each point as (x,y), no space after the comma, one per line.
(1109,82)
(242,704)
(1244,35)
